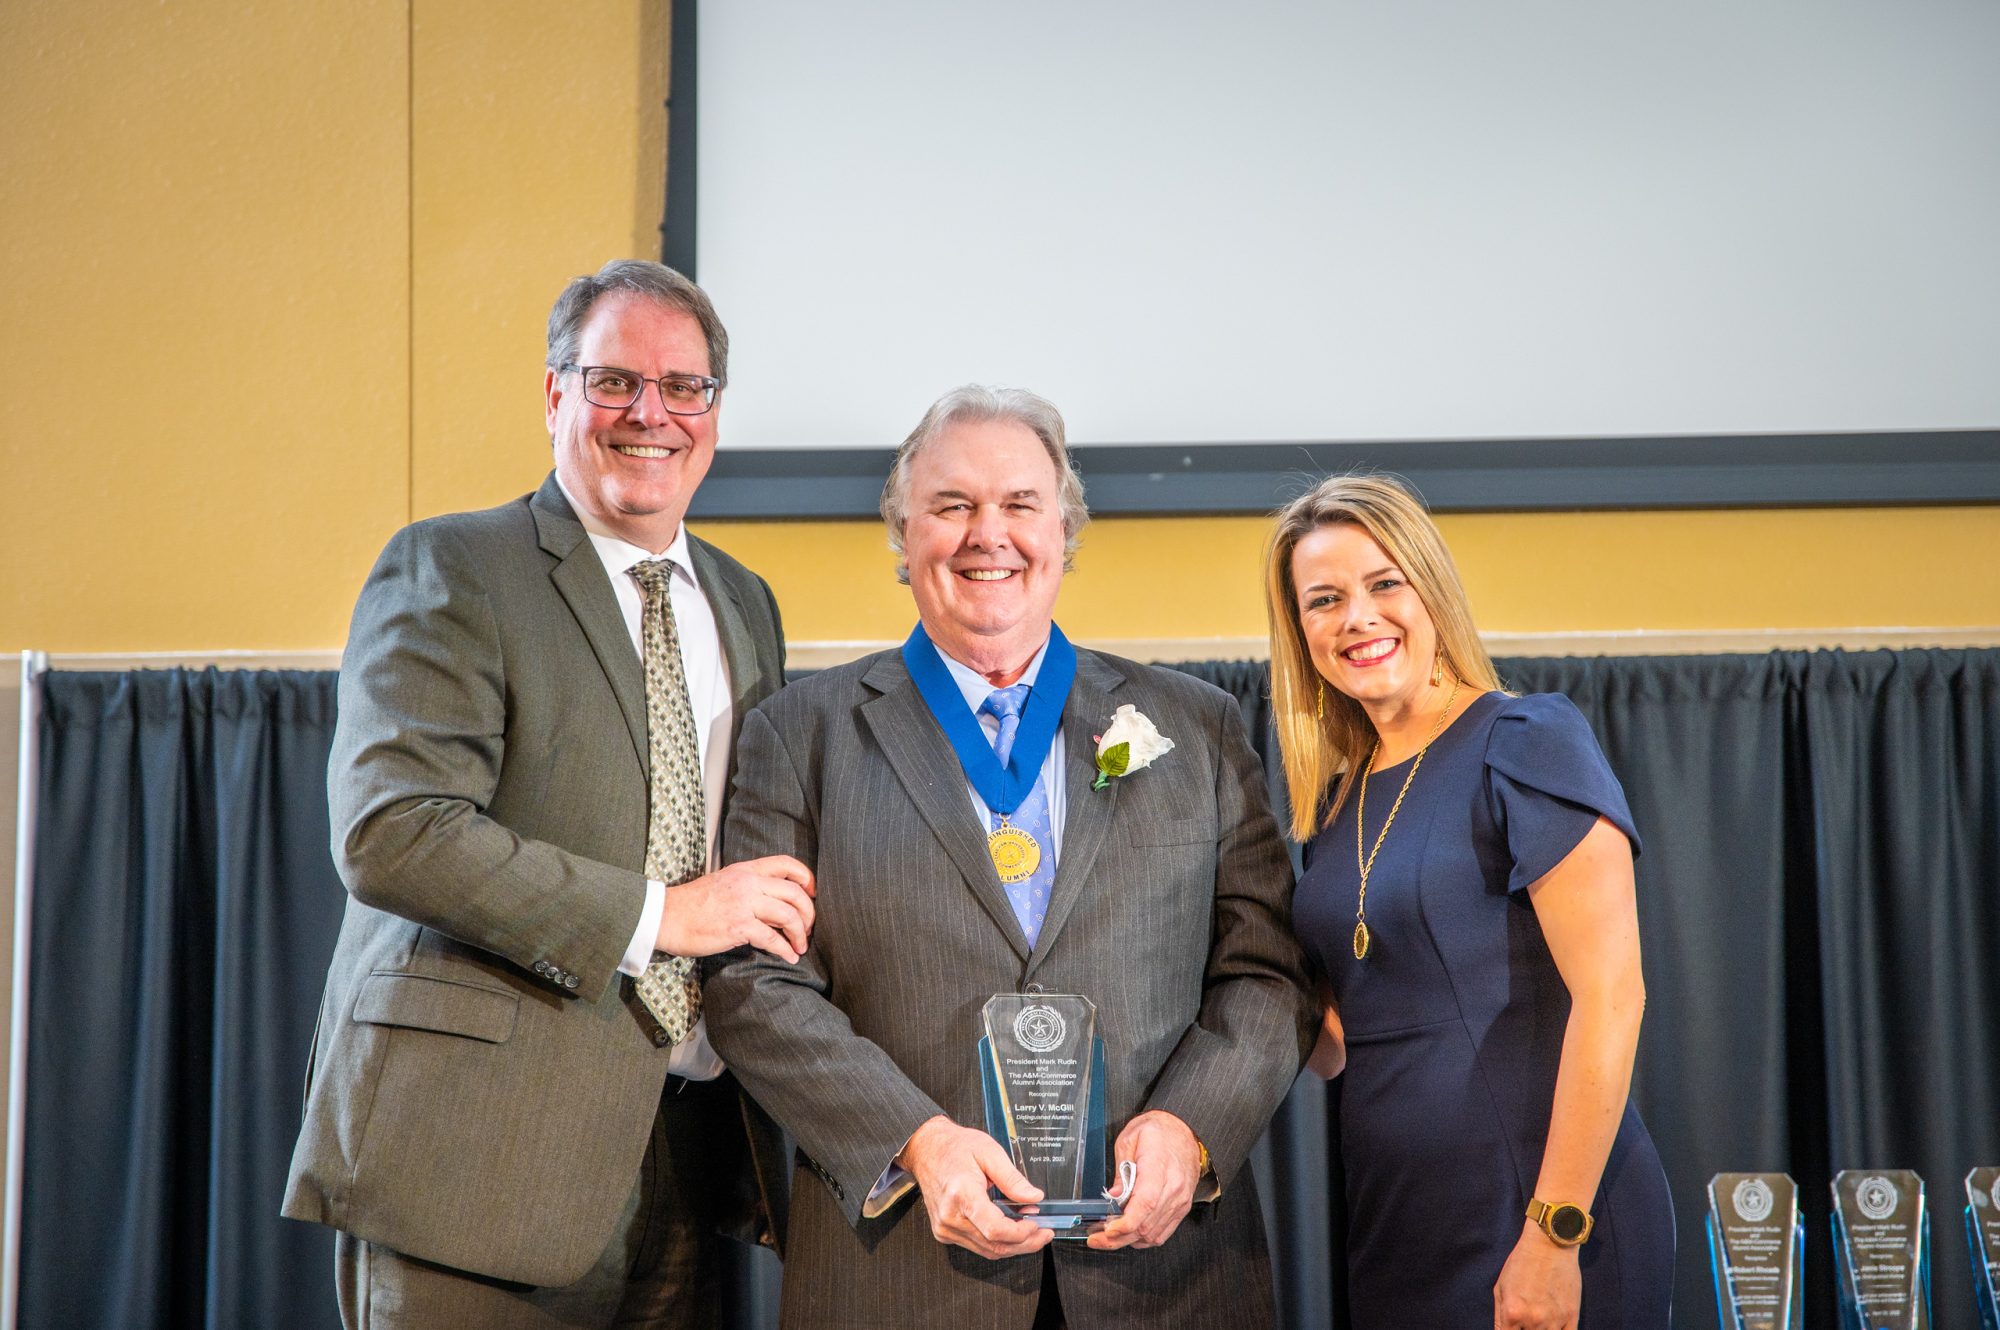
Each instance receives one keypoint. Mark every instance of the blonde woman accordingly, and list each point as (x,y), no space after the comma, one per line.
(1468,900)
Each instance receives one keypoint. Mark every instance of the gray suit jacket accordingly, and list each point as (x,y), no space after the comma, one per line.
(1170,910)
(480,1093)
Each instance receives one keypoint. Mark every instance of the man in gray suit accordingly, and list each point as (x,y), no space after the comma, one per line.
(513,1114)
(1163,896)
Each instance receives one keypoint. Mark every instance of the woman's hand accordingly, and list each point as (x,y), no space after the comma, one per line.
(1541,1286)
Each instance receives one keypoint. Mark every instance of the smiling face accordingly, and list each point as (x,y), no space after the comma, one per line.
(983,538)
(1363,623)
(634,470)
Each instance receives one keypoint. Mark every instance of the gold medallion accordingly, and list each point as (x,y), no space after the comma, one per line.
(1015,854)
(1360,940)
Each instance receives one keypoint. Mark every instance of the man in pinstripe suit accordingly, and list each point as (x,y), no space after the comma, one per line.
(498,1121)
(1163,896)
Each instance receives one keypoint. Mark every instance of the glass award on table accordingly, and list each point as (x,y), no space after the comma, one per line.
(1043,1067)
(1757,1251)
(1882,1249)
(1982,1231)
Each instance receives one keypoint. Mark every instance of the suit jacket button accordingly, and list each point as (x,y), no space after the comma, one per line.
(659,1037)
(569,981)
(1032,988)
(541,967)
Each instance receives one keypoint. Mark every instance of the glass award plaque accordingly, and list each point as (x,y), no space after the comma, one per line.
(1882,1249)
(1756,1251)
(1982,1231)
(1042,1064)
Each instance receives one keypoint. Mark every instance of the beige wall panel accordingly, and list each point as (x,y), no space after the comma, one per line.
(538,145)
(1804,568)
(205,311)
(1526,573)
(835,581)
(314,246)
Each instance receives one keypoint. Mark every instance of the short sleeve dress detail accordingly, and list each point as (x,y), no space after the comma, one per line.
(1454,1027)
(1549,783)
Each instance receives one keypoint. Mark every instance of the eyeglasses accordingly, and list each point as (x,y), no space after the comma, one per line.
(616,389)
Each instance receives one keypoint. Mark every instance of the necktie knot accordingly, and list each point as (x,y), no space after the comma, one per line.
(653,574)
(1006,704)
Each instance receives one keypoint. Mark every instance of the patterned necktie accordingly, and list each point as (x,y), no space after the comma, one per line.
(1029,896)
(676,832)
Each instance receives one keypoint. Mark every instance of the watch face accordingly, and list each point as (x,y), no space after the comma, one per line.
(1566,1223)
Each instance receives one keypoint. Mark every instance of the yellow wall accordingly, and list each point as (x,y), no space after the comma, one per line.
(534,157)
(310,249)
(1525,573)
(206,313)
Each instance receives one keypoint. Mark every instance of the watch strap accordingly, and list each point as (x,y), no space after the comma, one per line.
(1549,1216)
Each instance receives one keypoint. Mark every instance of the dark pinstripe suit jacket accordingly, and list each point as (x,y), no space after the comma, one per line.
(1170,911)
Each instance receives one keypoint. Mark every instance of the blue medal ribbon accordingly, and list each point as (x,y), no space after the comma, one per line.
(1003,788)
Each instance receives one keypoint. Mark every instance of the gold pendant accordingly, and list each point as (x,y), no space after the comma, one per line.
(1015,854)
(1360,940)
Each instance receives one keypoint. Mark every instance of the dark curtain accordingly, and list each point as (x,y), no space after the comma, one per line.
(185,908)
(1818,903)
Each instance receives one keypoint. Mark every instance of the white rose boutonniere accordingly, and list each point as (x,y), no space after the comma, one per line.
(1130,743)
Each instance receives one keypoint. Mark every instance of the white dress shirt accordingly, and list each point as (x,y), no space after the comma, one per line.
(710,699)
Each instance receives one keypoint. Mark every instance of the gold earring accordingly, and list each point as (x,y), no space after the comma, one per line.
(1437,670)
(1320,713)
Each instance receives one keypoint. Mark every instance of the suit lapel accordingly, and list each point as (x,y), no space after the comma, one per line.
(923,761)
(579,578)
(1087,812)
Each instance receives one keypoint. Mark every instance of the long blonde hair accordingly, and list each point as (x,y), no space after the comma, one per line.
(1322,732)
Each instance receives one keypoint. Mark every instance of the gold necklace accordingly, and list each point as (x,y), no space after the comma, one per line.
(1361,938)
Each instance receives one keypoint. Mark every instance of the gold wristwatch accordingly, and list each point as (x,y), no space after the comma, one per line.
(1567,1225)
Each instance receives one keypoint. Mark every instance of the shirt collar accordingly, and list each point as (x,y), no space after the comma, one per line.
(619,554)
(973,684)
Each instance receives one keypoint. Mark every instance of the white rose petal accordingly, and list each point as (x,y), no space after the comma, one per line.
(1130,726)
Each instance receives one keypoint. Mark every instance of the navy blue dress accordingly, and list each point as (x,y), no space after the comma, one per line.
(1455,1023)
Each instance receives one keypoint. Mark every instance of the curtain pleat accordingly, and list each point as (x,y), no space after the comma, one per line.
(1905,772)
(1819,901)
(185,909)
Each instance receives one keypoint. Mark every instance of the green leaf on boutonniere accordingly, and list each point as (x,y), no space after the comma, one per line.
(1111,762)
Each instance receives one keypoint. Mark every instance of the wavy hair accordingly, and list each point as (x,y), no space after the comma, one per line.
(1324,740)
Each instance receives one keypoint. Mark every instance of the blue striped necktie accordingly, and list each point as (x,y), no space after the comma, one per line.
(1029,896)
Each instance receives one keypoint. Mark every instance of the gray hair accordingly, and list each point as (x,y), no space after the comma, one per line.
(971,404)
(641,277)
